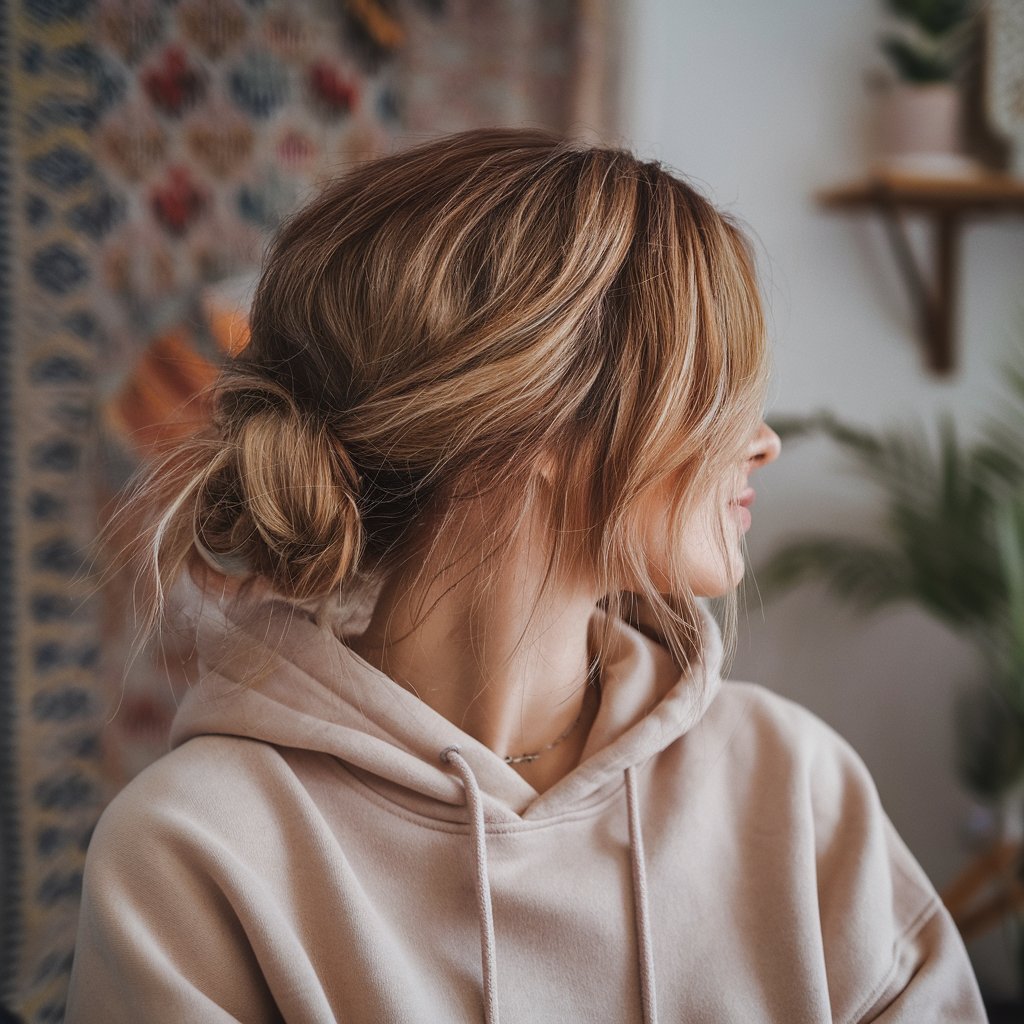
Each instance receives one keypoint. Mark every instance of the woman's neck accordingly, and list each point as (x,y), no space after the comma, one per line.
(512,675)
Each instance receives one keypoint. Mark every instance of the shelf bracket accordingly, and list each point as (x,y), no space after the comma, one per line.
(935,300)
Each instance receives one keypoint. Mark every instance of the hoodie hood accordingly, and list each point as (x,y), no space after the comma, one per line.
(272,674)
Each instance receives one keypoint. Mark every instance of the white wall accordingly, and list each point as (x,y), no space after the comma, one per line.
(761,104)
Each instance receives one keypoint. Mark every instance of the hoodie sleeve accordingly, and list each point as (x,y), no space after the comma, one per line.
(893,954)
(158,939)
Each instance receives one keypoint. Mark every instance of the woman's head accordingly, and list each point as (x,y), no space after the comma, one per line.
(501,318)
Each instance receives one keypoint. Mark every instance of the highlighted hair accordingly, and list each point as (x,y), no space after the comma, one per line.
(440,324)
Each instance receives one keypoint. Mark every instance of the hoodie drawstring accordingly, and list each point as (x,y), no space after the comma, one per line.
(641,907)
(451,755)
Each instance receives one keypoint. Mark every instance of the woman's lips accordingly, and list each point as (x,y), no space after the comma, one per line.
(741,507)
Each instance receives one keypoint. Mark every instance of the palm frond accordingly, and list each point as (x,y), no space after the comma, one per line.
(1009,627)
(999,458)
(866,575)
(954,518)
(1009,523)
(1003,431)
(938,508)
(824,422)
(990,742)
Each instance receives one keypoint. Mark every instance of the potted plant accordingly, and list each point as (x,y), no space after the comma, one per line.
(926,47)
(953,543)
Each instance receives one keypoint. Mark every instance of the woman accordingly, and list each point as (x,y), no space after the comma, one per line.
(506,392)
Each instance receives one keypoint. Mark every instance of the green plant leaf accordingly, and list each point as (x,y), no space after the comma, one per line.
(915,63)
(866,575)
(1002,448)
(824,422)
(1009,627)
(1010,536)
(938,511)
(990,743)
(954,544)
(936,17)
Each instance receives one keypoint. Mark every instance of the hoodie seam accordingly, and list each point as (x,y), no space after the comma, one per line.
(923,916)
(491,827)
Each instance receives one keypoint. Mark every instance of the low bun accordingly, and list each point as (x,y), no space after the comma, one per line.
(285,502)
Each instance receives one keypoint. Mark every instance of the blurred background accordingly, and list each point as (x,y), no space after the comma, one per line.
(873,148)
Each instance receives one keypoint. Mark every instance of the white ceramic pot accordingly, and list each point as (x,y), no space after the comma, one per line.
(920,124)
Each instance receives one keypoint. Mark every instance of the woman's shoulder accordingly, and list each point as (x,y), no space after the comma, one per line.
(200,787)
(796,768)
(174,872)
(803,781)
(776,722)
(802,774)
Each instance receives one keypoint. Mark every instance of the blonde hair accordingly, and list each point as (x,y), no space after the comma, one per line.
(434,325)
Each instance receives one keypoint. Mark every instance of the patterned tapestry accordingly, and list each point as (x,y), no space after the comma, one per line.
(147,147)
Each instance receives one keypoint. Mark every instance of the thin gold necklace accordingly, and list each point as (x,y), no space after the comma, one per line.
(593,681)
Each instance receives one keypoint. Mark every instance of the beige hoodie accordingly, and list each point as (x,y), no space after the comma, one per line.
(305,854)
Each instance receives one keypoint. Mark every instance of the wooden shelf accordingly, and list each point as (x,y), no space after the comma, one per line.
(946,202)
(988,192)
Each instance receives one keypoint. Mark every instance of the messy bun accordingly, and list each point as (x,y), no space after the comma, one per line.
(284,502)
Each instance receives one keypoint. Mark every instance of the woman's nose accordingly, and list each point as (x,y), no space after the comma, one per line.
(765,447)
